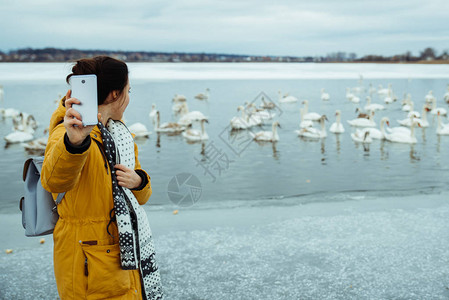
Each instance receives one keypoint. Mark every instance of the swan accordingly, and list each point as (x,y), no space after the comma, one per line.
(313,116)
(384,91)
(373,106)
(188,117)
(442,129)
(239,122)
(371,89)
(409,120)
(194,135)
(178,101)
(38,144)
(287,98)
(325,96)
(424,122)
(140,130)
(203,96)
(179,98)
(446,96)
(18,137)
(388,98)
(22,131)
(337,127)
(376,133)
(267,136)
(349,95)
(153,113)
(267,105)
(435,110)
(304,123)
(430,97)
(168,127)
(9,112)
(24,122)
(361,136)
(362,122)
(403,136)
(262,114)
(312,132)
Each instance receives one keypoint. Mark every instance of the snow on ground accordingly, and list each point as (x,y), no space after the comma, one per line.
(392,248)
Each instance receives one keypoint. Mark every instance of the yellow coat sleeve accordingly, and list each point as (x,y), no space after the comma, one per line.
(61,169)
(144,194)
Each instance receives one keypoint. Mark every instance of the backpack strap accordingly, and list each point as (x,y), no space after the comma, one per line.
(59,198)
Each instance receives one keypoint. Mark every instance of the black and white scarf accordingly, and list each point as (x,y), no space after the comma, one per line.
(135,238)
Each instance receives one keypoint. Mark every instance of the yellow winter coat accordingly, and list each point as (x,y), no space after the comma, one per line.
(86,257)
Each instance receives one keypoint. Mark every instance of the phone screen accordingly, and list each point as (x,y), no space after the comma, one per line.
(84,88)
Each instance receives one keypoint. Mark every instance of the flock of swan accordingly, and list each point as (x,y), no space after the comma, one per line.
(312,124)
(192,124)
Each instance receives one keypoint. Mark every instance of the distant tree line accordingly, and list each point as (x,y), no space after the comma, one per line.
(63,55)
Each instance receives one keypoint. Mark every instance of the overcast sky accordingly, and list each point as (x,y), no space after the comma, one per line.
(259,27)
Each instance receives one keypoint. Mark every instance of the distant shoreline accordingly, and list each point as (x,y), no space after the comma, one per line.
(423,62)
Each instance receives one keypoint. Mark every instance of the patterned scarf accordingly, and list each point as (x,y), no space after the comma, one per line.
(135,237)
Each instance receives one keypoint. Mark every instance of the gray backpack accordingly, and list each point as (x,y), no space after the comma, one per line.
(39,210)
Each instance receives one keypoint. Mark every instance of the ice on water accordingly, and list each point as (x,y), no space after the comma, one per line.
(343,250)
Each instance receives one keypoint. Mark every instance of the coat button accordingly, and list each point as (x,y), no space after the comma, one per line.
(108,251)
(95,135)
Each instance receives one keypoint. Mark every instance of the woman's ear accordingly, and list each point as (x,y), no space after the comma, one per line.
(114,94)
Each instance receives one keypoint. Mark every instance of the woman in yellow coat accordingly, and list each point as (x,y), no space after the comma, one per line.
(94,257)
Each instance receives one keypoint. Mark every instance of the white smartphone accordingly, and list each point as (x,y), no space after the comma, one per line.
(84,88)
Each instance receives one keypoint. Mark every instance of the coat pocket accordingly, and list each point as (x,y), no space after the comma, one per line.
(105,277)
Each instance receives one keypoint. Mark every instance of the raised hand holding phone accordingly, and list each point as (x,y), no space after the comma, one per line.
(73,122)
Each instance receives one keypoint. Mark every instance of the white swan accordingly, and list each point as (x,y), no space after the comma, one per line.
(325,96)
(188,117)
(360,136)
(18,137)
(388,98)
(9,112)
(311,132)
(152,114)
(178,101)
(435,110)
(446,96)
(383,92)
(337,127)
(429,98)
(407,122)
(261,113)
(313,116)
(166,127)
(22,131)
(287,98)
(203,96)
(404,135)
(238,123)
(140,130)
(304,123)
(194,135)
(362,122)
(38,144)
(442,129)
(376,133)
(267,136)
(373,106)
(349,95)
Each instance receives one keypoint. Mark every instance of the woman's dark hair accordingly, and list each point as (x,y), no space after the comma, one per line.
(112,74)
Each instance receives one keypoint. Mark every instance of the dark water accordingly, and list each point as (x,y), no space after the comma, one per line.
(250,171)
